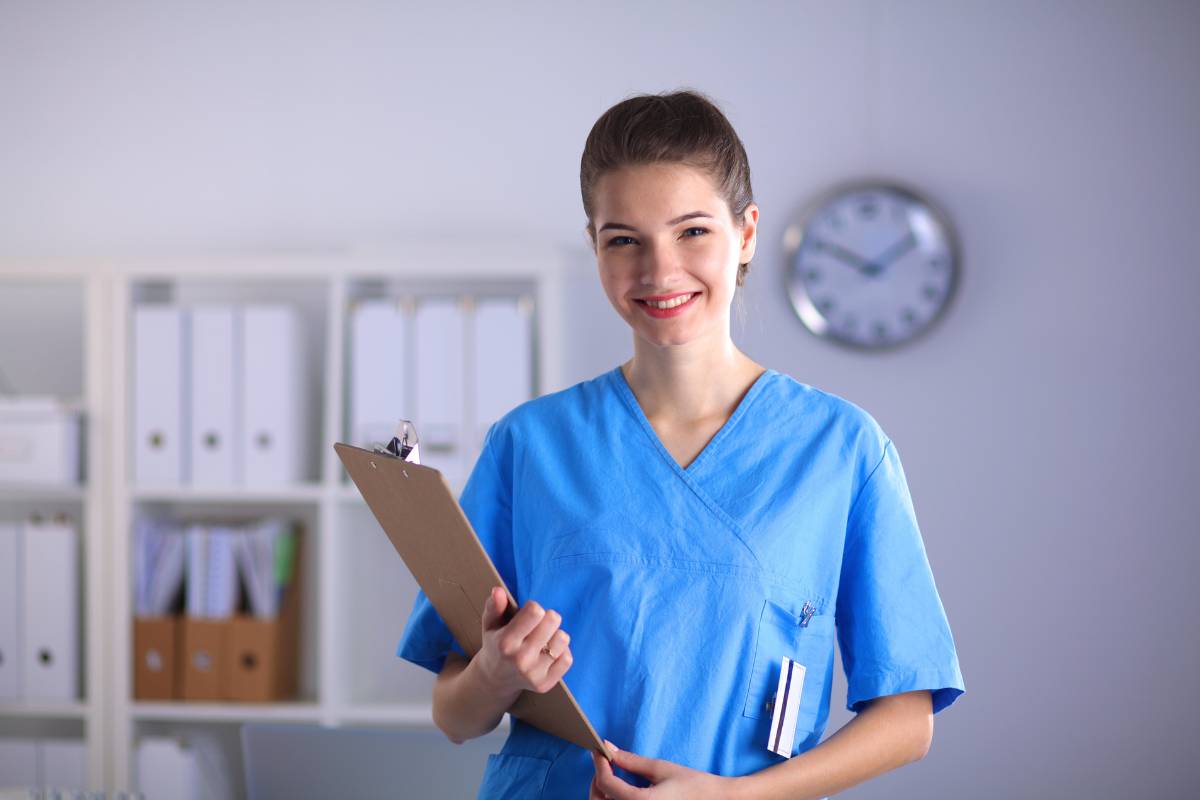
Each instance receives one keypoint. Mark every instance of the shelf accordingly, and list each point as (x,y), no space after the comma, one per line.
(303,493)
(227,712)
(357,591)
(36,492)
(44,710)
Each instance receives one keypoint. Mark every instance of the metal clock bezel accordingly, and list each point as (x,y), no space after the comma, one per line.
(793,239)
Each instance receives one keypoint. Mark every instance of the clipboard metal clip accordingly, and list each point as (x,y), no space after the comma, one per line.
(404,444)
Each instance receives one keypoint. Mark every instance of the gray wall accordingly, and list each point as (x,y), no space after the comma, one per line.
(1047,427)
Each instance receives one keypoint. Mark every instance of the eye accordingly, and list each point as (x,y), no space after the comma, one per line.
(701,230)
(616,241)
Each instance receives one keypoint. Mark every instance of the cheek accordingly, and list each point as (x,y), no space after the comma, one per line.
(613,285)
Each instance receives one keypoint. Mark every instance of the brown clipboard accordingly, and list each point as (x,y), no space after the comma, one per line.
(433,536)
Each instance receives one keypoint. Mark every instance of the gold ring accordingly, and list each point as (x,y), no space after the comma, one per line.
(546,651)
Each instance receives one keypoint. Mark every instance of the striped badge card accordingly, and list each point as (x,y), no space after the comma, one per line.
(787,706)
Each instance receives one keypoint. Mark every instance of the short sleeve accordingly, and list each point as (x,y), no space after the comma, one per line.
(486,500)
(892,628)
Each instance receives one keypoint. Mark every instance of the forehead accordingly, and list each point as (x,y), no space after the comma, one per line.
(654,193)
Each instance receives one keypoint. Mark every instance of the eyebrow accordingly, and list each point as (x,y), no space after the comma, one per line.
(622,226)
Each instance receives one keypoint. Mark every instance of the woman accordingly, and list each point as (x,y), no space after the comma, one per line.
(692,518)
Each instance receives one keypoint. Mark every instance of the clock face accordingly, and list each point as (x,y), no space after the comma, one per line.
(871,266)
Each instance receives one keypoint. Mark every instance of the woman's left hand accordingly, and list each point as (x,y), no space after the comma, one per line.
(669,780)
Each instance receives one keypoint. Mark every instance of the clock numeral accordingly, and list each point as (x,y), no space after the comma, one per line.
(938,263)
(868,209)
(813,276)
(879,330)
(910,316)
(931,292)
(826,305)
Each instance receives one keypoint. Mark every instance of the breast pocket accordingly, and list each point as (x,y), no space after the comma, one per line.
(782,633)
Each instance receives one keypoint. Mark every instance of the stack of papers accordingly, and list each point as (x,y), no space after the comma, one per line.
(158,558)
(212,563)
(267,556)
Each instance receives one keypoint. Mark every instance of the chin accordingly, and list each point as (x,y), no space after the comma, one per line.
(670,341)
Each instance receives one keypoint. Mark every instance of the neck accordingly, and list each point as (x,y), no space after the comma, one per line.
(691,382)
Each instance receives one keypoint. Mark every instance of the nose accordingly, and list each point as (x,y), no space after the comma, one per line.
(660,268)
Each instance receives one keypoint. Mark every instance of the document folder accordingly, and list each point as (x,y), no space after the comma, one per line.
(433,536)
(50,609)
(11,595)
(214,429)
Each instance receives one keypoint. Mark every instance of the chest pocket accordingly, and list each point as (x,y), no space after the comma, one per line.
(782,633)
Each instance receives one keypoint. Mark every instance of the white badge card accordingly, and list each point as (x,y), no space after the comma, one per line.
(787,707)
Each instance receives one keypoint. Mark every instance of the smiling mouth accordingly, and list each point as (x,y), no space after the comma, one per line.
(667,303)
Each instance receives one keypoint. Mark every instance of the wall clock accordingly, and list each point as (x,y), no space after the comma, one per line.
(871,265)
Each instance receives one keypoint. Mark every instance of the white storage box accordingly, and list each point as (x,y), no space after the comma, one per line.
(40,441)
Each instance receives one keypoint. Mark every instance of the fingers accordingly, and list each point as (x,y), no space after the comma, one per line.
(557,669)
(532,651)
(656,770)
(558,643)
(651,768)
(493,610)
(548,655)
(523,623)
(541,634)
(607,785)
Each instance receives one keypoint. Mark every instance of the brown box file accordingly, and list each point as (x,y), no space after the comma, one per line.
(262,658)
(238,658)
(155,660)
(204,654)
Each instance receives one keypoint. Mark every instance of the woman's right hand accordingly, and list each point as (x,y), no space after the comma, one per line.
(528,653)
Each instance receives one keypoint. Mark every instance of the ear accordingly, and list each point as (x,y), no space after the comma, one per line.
(749,237)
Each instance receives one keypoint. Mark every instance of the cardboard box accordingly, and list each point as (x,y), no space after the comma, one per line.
(155,658)
(204,654)
(41,441)
(261,662)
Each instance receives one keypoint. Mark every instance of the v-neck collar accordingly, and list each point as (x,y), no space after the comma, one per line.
(626,392)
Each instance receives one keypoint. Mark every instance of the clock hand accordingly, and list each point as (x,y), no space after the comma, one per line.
(895,252)
(846,256)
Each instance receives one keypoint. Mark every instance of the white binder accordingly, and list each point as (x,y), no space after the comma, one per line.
(214,433)
(18,763)
(438,374)
(503,369)
(274,396)
(64,764)
(377,369)
(50,611)
(10,611)
(159,394)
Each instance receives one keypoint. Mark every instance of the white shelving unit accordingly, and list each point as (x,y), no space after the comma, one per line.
(357,592)
(82,293)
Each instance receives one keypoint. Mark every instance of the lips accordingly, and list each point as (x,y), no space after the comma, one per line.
(665,313)
(659,298)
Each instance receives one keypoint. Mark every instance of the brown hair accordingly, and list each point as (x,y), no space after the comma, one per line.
(683,127)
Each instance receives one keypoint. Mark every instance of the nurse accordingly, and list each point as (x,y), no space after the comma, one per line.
(683,528)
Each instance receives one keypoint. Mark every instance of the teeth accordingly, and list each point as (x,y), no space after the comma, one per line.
(665,304)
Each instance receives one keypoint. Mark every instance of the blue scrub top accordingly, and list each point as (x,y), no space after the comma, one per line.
(682,589)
